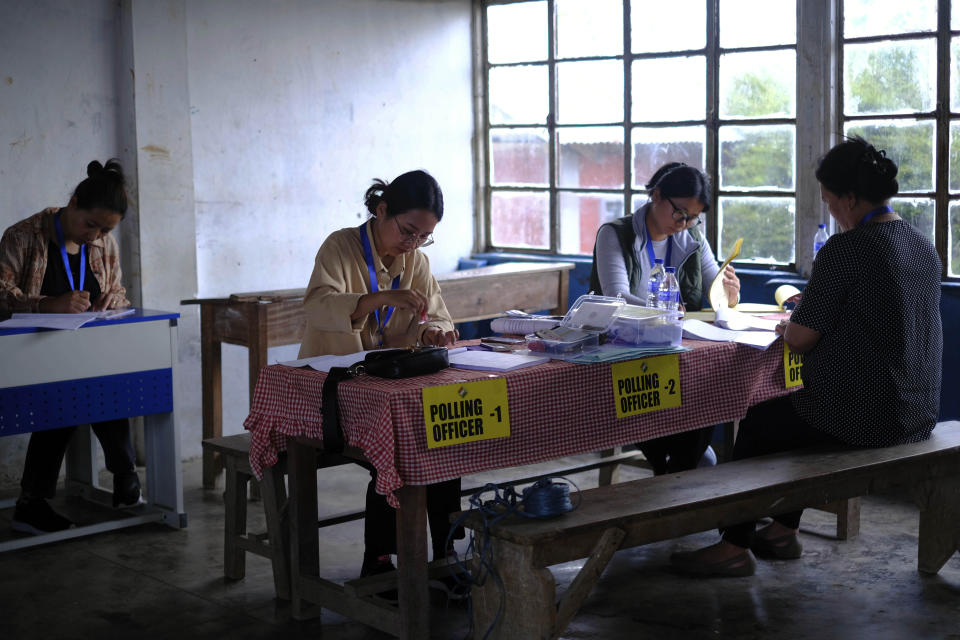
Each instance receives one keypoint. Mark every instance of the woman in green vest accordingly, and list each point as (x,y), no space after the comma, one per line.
(664,227)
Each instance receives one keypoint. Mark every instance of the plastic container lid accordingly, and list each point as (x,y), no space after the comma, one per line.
(593,313)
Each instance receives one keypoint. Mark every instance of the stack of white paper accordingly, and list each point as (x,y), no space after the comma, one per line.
(69,321)
(493,360)
(699,330)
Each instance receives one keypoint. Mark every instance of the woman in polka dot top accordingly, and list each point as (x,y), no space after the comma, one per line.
(869,327)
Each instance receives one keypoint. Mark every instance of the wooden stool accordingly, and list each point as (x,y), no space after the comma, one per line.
(234,451)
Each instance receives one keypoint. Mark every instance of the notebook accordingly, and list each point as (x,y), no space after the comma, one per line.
(493,360)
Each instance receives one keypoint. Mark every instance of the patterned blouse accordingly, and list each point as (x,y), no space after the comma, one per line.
(873,379)
(23,261)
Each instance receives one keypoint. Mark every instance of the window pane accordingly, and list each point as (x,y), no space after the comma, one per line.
(758,85)
(520,219)
(909,144)
(955,16)
(581,214)
(681,28)
(955,156)
(917,211)
(740,22)
(518,95)
(592,28)
(682,82)
(759,157)
(653,147)
(519,157)
(953,241)
(517,32)
(590,92)
(955,71)
(765,224)
(883,17)
(889,77)
(591,157)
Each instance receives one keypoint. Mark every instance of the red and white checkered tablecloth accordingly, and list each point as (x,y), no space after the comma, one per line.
(556,409)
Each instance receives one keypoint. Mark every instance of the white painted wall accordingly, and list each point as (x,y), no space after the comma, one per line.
(58,111)
(295,107)
(274,117)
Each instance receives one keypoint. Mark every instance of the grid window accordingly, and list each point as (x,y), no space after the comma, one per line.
(903,97)
(576,127)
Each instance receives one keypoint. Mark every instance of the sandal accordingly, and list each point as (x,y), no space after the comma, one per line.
(785,547)
(692,562)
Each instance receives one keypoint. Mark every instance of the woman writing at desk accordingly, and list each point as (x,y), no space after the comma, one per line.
(371,287)
(64,260)
(665,227)
(871,373)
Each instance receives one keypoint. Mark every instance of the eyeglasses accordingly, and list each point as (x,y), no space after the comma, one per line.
(420,239)
(681,215)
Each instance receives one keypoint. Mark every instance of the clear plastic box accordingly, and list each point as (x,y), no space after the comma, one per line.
(643,327)
(580,329)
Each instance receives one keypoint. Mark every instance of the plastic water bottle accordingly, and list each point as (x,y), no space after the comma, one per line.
(653,284)
(820,239)
(670,290)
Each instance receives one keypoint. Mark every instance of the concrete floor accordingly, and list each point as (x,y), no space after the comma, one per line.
(153,582)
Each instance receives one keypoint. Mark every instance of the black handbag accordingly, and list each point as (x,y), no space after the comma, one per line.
(385,363)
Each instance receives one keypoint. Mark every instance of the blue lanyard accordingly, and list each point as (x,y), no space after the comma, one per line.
(66,260)
(368,256)
(879,211)
(666,259)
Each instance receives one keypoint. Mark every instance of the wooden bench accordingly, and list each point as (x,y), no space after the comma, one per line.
(274,542)
(261,319)
(234,451)
(648,510)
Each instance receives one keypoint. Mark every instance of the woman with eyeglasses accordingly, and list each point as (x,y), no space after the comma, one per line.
(664,227)
(371,287)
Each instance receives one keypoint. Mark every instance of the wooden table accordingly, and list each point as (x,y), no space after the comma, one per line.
(107,369)
(556,409)
(261,319)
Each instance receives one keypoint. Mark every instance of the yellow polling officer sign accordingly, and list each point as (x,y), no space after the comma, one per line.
(649,384)
(792,363)
(466,412)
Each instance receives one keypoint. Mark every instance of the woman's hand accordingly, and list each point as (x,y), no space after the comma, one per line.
(781,327)
(731,284)
(437,337)
(69,302)
(410,299)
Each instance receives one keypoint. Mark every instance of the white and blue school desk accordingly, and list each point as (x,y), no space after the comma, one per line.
(106,369)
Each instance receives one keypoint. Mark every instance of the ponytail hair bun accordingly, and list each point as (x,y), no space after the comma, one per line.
(408,191)
(856,167)
(104,188)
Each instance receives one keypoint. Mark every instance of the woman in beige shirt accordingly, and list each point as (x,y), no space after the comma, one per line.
(371,287)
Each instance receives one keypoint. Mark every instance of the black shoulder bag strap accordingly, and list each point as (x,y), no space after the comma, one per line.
(330,409)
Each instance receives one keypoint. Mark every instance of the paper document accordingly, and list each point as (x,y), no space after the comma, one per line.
(614,353)
(325,363)
(68,321)
(734,320)
(494,360)
(522,325)
(699,330)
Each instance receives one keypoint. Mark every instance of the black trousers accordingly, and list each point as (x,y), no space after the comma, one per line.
(677,452)
(46,450)
(771,427)
(380,525)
